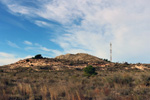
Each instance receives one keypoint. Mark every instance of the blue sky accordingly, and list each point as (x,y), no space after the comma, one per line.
(54,27)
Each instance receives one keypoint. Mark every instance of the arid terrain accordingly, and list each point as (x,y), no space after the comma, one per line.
(62,78)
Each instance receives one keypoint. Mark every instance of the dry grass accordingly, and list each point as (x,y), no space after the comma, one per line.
(73,85)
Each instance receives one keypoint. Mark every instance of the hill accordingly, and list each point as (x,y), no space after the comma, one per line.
(72,61)
(62,78)
(79,60)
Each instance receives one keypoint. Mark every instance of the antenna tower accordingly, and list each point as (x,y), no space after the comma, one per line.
(111,52)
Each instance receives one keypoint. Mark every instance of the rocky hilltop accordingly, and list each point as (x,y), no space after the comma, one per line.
(81,57)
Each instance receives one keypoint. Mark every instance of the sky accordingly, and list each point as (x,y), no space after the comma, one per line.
(55,27)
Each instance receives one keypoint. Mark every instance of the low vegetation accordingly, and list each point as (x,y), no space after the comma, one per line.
(38,56)
(110,84)
(89,71)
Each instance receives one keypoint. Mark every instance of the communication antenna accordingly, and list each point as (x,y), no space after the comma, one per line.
(111,52)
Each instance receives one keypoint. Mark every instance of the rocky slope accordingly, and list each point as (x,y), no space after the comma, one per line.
(79,60)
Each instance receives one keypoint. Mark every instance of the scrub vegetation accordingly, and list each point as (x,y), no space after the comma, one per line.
(72,84)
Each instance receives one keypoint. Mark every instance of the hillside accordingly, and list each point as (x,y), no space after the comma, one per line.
(69,61)
(63,78)
(72,61)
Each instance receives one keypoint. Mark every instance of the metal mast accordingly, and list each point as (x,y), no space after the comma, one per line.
(111,52)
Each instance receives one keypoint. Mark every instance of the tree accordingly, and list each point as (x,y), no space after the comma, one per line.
(38,56)
(89,70)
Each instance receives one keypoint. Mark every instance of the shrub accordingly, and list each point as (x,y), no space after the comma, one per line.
(89,70)
(27,60)
(38,56)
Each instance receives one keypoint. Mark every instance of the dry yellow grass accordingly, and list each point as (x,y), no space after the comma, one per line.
(72,85)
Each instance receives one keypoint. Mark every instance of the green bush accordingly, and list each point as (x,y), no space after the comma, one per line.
(89,70)
(38,56)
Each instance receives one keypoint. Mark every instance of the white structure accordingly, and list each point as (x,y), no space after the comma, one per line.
(110,52)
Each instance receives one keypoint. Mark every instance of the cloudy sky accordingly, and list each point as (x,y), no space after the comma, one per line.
(54,27)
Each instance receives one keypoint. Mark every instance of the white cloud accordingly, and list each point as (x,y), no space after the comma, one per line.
(6,55)
(12,44)
(91,25)
(7,61)
(27,42)
(19,9)
(29,56)
(42,23)
(52,51)
(44,49)
(120,23)
(36,47)
(8,58)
